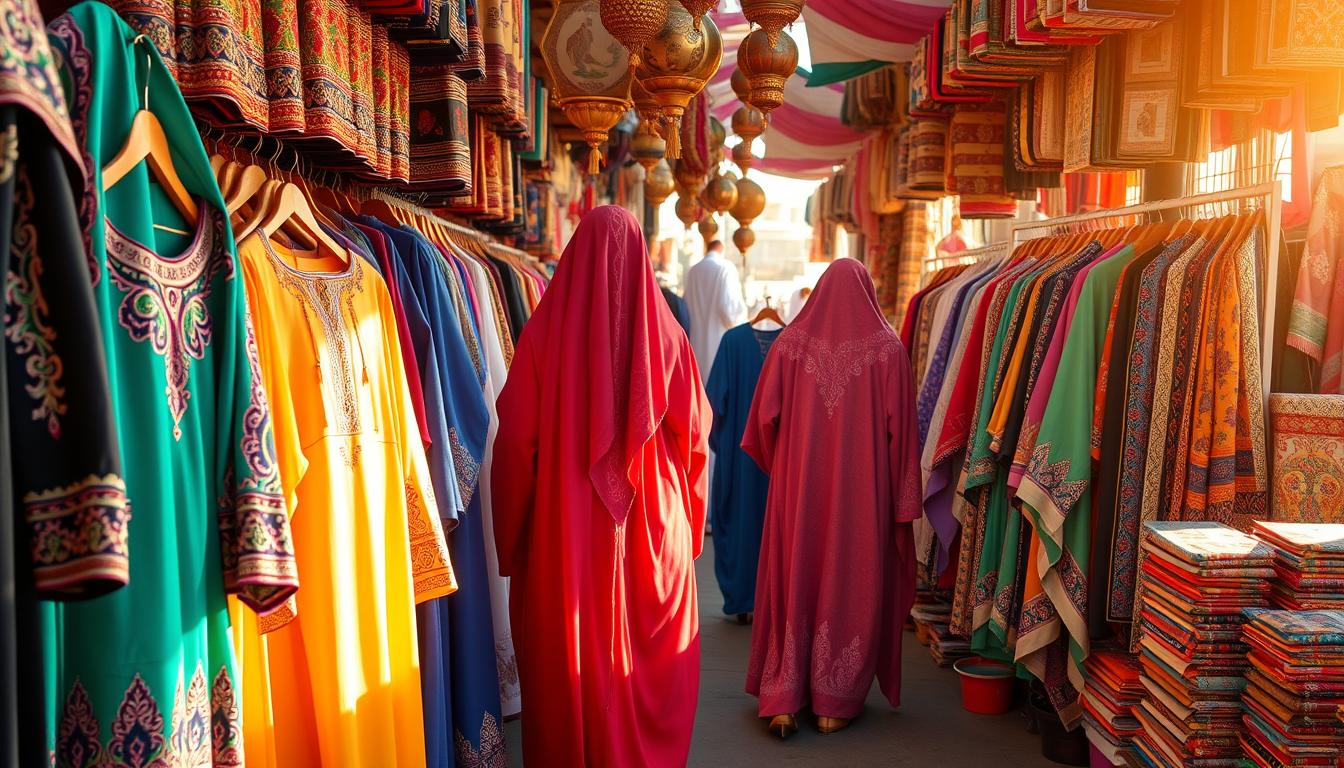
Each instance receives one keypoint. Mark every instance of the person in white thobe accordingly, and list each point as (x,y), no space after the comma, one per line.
(714,297)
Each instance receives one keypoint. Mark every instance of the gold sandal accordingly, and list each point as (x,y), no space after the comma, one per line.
(831,724)
(784,726)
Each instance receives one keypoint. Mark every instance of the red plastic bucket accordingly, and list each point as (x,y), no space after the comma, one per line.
(986,685)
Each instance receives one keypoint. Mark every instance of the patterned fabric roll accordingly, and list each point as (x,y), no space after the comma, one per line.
(440,152)
(976,137)
(1308,477)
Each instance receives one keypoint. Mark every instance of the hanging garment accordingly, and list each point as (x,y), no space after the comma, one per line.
(340,683)
(1317,326)
(833,424)
(59,457)
(599,493)
(713,294)
(139,670)
(497,352)
(737,486)
(468,687)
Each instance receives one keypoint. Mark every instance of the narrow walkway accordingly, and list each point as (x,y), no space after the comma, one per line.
(931,730)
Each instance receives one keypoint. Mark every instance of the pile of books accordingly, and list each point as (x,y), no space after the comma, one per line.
(1310,564)
(931,618)
(1111,692)
(1195,580)
(1295,688)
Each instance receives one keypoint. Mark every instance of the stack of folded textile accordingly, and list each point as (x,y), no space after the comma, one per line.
(1295,692)
(1310,564)
(1110,694)
(1195,580)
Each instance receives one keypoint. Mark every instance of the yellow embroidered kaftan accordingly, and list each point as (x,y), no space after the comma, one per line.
(339,684)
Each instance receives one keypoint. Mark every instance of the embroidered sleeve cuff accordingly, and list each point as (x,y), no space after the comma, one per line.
(259,563)
(80,537)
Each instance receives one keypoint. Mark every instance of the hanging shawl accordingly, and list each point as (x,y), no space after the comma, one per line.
(611,339)
(1317,325)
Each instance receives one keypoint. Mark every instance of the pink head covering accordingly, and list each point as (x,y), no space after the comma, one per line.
(606,334)
(837,310)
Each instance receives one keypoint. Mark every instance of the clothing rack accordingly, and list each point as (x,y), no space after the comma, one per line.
(298,165)
(1270,197)
(969,256)
(483,238)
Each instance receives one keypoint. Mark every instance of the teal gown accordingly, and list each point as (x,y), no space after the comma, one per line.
(145,675)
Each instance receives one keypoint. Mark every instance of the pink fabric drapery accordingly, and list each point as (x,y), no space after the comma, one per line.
(599,492)
(890,20)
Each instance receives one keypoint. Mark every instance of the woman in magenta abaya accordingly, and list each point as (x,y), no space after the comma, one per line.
(599,481)
(833,424)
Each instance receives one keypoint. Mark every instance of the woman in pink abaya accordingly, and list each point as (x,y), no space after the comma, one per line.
(599,509)
(833,423)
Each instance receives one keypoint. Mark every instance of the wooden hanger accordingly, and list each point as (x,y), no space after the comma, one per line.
(767,313)
(246,184)
(147,141)
(290,206)
(261,205)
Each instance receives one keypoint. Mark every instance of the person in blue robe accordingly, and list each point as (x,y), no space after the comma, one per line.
(738,487)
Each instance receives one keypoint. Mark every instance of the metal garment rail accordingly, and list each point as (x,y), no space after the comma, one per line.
(969,256)
(1270,195)
(481,237)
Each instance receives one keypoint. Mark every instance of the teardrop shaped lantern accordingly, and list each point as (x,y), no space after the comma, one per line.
(633,23)
(590,72)
(709,227)
(720,194)
(689,182)
(767,67)
(688,209)
(647,147)
(744,238)
(676,65)
(750,202)
(658,184)
(697,9)
(748,123)
(772,15)
(742,156)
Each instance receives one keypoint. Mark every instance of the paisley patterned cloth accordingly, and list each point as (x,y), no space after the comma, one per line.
(1308,439)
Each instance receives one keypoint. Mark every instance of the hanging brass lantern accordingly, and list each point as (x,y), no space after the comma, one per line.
(633,23)
(647,107)
(689,182)
(688,209)
(744,238)
(590,72)
(648,149)
(720,194)
(748,123)
(658,184)
(742,156)
(750,202)
(697,9)
(709,227)
(741,86)
(772,15)
(676,65)
(767,67)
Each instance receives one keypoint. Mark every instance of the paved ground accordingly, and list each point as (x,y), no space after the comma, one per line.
(930,730)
